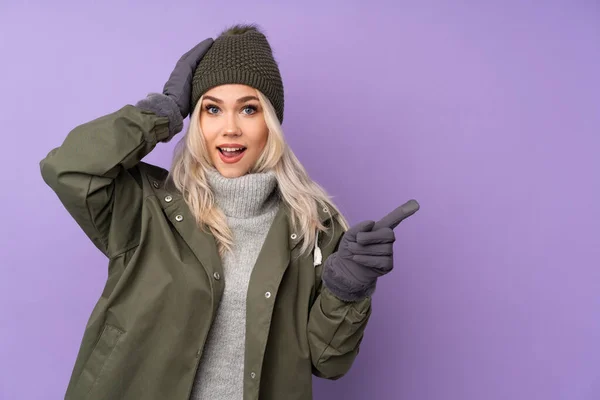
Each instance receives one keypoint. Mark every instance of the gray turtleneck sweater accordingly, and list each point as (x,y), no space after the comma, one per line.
(250,203)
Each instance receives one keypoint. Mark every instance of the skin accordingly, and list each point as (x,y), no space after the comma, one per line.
(223,119)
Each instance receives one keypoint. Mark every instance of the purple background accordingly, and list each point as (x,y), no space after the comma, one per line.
(488,115)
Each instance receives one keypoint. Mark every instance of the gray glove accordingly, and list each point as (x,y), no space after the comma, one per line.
(179,85)
(174,102)
(365,253)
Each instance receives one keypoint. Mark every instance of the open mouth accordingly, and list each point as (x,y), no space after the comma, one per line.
(231,154)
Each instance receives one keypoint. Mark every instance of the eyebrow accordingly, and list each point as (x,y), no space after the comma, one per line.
(240,100)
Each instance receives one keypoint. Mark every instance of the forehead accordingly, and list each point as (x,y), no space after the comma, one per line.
(231,91)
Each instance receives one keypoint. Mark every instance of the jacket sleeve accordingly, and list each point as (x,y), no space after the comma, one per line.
(335,326)
(91,173)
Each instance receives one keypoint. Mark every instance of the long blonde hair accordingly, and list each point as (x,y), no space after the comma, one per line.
(297,190)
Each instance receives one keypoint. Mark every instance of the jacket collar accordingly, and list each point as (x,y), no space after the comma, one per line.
(172,202)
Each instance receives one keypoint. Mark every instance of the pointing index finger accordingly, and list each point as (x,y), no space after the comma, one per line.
(398,215)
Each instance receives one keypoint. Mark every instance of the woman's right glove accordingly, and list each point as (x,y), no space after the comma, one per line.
(174,102)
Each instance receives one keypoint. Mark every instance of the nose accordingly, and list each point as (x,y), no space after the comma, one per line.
(232,127)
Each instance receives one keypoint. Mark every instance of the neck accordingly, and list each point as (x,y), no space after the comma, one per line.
(245,196)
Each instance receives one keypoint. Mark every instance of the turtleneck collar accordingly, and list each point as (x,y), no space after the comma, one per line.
(245,196)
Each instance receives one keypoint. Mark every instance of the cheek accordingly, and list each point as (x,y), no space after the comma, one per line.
(263,142)
(257,135)
(208,132)
(263,136)
(259,144)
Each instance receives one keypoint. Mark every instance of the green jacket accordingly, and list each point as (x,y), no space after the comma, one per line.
(146,334)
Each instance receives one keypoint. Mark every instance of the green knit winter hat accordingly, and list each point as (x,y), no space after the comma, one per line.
(241,54)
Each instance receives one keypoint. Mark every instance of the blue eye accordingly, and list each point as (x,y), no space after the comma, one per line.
(208,107)
(253,108)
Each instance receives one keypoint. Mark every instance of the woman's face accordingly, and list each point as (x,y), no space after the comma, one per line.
(234,127)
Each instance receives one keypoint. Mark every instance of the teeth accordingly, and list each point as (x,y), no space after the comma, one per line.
(231,148)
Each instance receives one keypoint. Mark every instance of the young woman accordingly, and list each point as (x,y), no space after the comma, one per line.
(231,277)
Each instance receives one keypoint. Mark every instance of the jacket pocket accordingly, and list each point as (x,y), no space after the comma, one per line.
(98,362)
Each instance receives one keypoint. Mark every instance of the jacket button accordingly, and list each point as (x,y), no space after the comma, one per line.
(217,276)
(252,375)
(268,295)
(179,218)
(294,236)
(325,209)
(168,198)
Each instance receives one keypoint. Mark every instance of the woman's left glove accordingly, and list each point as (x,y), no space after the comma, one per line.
(365,253)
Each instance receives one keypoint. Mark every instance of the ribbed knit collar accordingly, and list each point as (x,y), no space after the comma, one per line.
(245,196)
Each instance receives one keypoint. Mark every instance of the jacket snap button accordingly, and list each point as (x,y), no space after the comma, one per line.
(325,209)
(168,199)
(268,295)
(294,236)
(179,218)
(217,276)
(155,184)
(252,375)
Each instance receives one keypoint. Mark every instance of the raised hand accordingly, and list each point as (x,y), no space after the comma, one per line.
(179,85)
(364,254)
(174,102)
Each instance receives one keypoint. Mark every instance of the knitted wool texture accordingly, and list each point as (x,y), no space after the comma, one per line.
(250,203)
(243,56)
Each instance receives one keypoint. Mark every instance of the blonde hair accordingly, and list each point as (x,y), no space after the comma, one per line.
(296,189)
